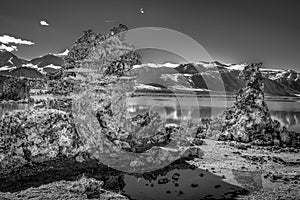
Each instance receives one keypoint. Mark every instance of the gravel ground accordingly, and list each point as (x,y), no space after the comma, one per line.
(267,172)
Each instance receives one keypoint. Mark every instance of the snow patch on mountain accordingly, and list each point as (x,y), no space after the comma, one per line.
(207,65)
(238,67)
(181,87)
(148,87)
(53,66)
(62,54)
(155,65)
(6,68)
(10,60)
(173,77)
(30,65)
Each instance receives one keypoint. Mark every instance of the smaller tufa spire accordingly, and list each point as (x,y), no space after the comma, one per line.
(249,119)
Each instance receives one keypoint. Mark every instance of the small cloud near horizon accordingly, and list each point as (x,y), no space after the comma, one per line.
(8,43)
(44,23)
(109,21)
(7,39)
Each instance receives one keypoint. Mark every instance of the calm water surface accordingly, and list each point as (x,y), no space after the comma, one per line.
(186,108)
(192,108)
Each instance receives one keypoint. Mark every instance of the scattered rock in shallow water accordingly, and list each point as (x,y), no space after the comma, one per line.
(176,176)
(217,186)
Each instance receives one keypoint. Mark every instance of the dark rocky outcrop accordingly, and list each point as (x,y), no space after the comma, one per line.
(60,87)
(12,88)
(123,64)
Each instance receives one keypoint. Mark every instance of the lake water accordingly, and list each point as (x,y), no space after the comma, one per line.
(6,107)
(173,110)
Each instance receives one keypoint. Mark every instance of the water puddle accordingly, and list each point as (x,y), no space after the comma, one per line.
(187,184)
(179,180)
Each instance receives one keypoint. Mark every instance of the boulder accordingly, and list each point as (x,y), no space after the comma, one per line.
(35,136)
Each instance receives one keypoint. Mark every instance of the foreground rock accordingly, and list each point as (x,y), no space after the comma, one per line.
(130,142)
(249,119)
(84,188)
(35,136)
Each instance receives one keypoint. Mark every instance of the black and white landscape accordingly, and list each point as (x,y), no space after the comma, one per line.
(149,100)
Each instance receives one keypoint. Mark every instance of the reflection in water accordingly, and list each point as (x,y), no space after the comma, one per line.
(184,108)
(286,112)
(6,107)
(289,119)
(178,180)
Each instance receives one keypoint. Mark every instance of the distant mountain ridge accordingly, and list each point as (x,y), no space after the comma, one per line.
(198,76)
(213,76)
(47,60)
(8,59)
(10,64)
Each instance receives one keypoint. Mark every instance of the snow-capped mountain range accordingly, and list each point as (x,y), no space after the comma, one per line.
(10,64)
(196,77)
(212,76)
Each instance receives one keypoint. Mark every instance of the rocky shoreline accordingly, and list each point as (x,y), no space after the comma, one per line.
(84,188)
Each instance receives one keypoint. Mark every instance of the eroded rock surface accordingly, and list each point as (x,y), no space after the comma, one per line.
(29,136)
(249,119)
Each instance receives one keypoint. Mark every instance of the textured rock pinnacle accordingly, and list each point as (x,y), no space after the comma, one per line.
(249,119)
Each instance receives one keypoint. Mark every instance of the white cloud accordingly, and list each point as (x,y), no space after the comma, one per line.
(142,10)
(109,21)
(6,39)
(8,48)
(8,43)
(44,23)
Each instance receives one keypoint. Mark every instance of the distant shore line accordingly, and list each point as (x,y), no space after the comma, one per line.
(171,95)
(228,96)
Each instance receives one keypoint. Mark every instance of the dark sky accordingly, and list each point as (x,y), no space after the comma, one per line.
(229,30)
